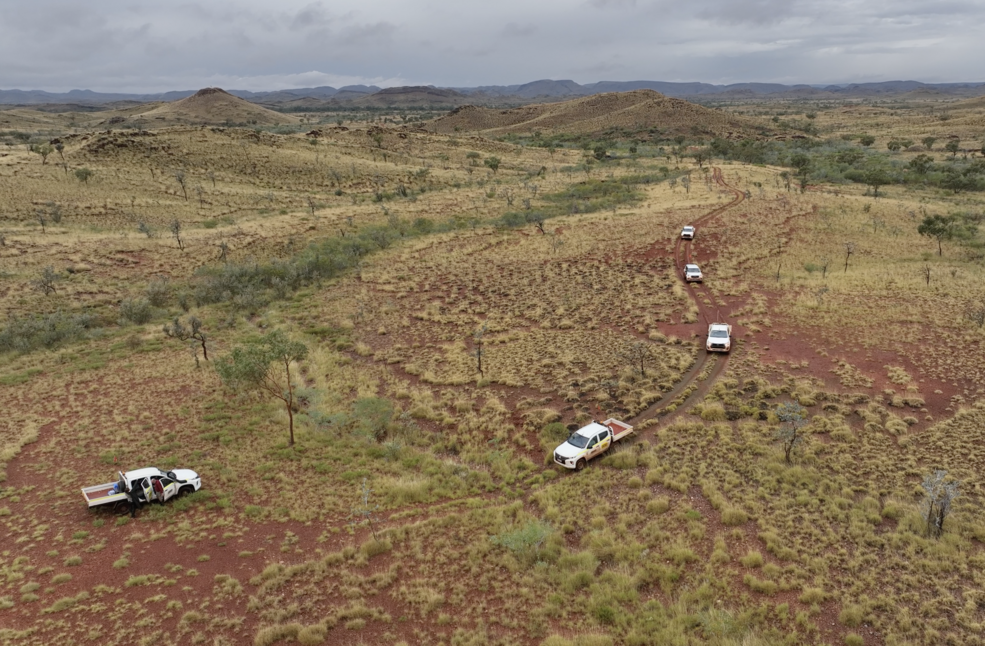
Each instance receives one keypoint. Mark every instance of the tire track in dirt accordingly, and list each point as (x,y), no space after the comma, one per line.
(699,372)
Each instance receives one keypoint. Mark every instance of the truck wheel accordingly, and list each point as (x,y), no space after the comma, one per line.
(121,507)
(580,464)
(184,491)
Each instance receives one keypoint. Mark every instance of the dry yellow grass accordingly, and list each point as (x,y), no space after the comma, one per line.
(699,531)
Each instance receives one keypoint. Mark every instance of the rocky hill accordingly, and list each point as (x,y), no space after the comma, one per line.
(634,111)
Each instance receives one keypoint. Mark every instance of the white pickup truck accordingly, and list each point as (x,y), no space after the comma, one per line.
(169,484)
(719,337)
(589,442)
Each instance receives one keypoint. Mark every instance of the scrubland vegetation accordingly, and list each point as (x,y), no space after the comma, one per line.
(458,318)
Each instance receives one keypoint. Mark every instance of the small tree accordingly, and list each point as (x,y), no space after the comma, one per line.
(686,182)
(785,176)
(938,227)
(867,140)
(793,420)
(803,165)
(144,228)
(952,146)
(179,176)
(876,178)
(928,142)
(264,364)
(364,510)
(938,497)
(42,217)
(83,175)
(478,348)
(54,212)
(535,218)
(193,331)
(639,355)
(45,282)
(43,150)
(920,164)
(492,163)
(849,251)
(175,228)
(825,261)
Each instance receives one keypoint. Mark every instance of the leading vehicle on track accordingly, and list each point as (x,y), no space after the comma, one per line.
(719,337)
(687,233)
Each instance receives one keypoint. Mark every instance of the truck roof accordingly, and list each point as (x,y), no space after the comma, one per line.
(146,472)
(719,326)
(591,430)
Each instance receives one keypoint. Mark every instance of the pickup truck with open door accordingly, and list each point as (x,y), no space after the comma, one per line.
(150,483)
(589,442)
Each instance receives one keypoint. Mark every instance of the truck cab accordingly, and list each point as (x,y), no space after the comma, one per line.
(692,273)
(687,233)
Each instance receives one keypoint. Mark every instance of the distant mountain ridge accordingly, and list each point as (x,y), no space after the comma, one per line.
(540,89)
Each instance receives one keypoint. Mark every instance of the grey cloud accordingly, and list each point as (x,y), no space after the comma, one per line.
(123,45)
(312,16)
(612,4)
(756,12)
(513,30)
(379,33)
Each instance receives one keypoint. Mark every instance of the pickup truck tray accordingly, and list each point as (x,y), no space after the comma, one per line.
(103,494)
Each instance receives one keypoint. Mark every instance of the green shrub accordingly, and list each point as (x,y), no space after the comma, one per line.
(312,635)
(752,559)
(713,412)
(732,516)
(811,596)
(623,458)
(760,585)
(524,542)
(658,506)
(851,615)
(24,334)
(605,614)
(277,632)
(135,310)
(554,433)
(373,547)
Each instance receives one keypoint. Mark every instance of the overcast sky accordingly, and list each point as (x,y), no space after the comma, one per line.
(142,46)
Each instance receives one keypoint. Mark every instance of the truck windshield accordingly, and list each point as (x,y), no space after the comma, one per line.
(719,334)
(578,441)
